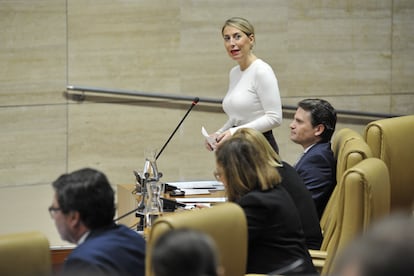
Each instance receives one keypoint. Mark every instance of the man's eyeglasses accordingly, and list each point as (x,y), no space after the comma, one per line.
(53,210)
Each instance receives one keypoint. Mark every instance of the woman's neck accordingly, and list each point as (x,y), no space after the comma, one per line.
(245,63)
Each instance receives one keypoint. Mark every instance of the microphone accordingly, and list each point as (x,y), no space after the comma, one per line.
(168,205)
(195,101)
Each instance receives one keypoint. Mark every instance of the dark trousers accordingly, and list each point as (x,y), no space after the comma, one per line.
(271,139)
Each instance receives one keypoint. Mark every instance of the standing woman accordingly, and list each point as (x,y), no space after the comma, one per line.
(275,234)
(253,98)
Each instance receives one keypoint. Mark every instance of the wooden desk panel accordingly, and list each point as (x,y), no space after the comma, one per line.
(58,257)
(127,201)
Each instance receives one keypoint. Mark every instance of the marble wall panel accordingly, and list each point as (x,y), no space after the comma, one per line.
(24,209)
(205,63)
(124,44)
(403,49)
(402,104)
(362,103)
(33,144)
(192,161)
(114,137)
(339,47)
(32,52)
(358,103)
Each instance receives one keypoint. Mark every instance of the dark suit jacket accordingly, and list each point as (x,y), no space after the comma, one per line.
(275,232)
(115,250)
(302,198)
(317,168)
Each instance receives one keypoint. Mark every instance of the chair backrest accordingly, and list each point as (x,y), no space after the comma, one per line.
(350,150)
(225,223)
(341,137)
(392,141)
(25,254)
(343,153)
(363,197)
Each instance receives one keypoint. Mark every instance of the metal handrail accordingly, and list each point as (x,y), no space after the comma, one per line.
(203,99)
(141,94)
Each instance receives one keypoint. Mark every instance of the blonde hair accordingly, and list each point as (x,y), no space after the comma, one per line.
(245,167)
(240,23)
(257,138)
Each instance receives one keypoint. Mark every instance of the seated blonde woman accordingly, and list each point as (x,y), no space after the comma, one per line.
(275,235)
(293,184)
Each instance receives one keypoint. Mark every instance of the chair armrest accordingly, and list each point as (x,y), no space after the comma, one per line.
(318,258)
(318,254)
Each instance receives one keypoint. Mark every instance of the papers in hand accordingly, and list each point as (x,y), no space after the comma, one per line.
(209,139)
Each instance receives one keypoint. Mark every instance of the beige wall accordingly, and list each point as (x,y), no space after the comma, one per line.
(357,54)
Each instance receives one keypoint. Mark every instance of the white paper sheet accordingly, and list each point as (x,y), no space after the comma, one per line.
(213,185)
(201,199)
(196,191)
(194,206)
(209,139)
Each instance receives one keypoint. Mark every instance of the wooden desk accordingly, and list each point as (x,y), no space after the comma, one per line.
(58,256)
(126,201)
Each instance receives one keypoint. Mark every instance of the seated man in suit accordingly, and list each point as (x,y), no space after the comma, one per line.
(312,128)
(83,209)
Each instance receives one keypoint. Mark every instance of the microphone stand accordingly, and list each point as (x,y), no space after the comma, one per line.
(142,180)
(130,212)
(195,101)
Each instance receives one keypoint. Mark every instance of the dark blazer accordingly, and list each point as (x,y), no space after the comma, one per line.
(302,198)
(275,232)
(317,168)
(115,250)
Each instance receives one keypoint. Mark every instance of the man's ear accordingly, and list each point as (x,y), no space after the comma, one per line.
(319,129)
(74,218)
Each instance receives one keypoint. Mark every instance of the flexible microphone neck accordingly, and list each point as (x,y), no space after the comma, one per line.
(195,101)
(136,210)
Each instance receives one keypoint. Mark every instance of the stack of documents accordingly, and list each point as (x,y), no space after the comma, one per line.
(198,187)
(201,199)
(209,184)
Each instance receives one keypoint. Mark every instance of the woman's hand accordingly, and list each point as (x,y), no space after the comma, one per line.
(218,138)
(223,137)
(211,146)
